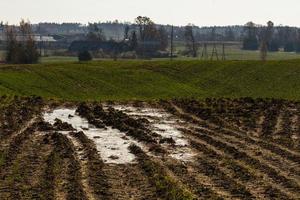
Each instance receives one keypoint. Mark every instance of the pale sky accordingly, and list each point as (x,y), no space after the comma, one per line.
(177,12)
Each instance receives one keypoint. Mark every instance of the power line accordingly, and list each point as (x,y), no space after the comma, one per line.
(214,52)
(204,54)
(172,38)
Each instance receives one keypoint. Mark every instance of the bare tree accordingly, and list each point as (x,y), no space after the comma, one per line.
(172,40)
(163,38)
(150,38)
(126,32)
(229,34)
(145,25)
(31,54)
(95,33)
(297,48)
(11,44)
(2,26)
(265,40)
(191,46)
(263,51)
(21,47)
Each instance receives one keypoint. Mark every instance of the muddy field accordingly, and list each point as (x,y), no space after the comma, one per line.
(180,149)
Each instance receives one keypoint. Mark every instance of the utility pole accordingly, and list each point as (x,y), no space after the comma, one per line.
(223,52)
(41,45)
(40,42)
(204,52)
(172,38)
(214,52)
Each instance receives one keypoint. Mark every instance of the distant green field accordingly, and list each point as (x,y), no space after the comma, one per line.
(142,80)
(52,59)
(232,52)
(2,55)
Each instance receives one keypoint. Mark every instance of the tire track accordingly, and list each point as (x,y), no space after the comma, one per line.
(255,181)
(82,156)
(291,187)
(275,148)
(267,156)
(166,184)
(118,181)
(128,182)
(68,185)
(284,171)
(24,175)
(198,183)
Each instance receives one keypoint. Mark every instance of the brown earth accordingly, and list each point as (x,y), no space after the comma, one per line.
(243,149)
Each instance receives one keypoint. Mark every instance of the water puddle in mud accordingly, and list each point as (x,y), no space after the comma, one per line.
(111,143)
(165,125)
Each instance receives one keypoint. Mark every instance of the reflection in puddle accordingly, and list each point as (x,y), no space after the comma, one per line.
(111,143)
(165,125)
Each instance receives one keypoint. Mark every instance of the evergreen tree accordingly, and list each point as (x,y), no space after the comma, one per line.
(126,32)
(229,34)
(297,47)
(133,41)
(289,46)
(163,38)
(250,41)
(273,45)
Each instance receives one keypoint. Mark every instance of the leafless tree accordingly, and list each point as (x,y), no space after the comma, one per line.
(265,40)
(145,25)
(95,33)
(11,44)
(151,38)
(126,32)
(191,46)
(21,46)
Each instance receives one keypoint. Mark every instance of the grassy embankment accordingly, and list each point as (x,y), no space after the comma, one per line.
(126,80)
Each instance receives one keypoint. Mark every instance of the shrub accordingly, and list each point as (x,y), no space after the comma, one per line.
(289,47)
(129,55)
(84,56)
(273,46)
(297,47)
(250,44)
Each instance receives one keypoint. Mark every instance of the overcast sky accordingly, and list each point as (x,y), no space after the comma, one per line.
(178,12)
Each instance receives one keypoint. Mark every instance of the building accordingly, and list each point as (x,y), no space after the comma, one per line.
(37,38)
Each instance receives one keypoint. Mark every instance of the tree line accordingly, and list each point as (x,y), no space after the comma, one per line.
(145,38)
(281,37)
(265,38)
(148,39)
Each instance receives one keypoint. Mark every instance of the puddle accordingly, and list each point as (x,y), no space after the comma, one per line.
(111,143)
(165,125)
(142,112)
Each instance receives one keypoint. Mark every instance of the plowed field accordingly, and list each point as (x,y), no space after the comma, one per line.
(179,149)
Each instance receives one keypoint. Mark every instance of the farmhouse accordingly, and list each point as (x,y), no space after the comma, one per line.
(36,37)
(106,46)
